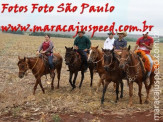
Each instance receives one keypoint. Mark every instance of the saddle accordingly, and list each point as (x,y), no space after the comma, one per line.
(45,60)
(146,61)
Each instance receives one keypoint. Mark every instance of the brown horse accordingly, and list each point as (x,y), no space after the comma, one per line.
(74,62)
(96,56)
(132,65)
(111,65)
(39,68)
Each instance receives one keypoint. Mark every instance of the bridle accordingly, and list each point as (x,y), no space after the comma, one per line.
(95,62)
(108,65)
(129,77)
(32,67)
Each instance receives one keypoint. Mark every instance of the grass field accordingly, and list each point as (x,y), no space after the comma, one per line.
(18,104)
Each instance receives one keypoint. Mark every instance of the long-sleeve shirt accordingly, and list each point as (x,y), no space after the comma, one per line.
(82,42)
(147,41)
(108,44)
(120,43)
(47,47)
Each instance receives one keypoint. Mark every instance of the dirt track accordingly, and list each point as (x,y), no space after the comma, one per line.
(18,104)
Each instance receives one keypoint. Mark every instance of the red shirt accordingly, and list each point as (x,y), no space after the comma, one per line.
(147,41)
(45,46)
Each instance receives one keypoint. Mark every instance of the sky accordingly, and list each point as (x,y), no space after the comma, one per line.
(126,12)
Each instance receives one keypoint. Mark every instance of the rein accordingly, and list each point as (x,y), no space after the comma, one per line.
(129,77)
(95,62)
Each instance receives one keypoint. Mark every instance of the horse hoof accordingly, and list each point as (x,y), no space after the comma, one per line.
(52,88)
(146,102)
(129,105)
(121,96)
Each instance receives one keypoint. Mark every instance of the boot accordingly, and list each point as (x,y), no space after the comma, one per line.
(52,73)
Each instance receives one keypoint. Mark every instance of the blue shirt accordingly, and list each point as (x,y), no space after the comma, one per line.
(117,44)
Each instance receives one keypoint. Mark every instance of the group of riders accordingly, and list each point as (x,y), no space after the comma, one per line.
(82,45)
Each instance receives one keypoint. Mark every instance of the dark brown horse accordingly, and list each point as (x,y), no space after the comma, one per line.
(113,72)
(39,68)
(74,62)
(96,56)
(132,65)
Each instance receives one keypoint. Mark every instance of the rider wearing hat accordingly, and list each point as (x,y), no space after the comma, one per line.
(145,44)
(120,42)
(82,44)
(108,44)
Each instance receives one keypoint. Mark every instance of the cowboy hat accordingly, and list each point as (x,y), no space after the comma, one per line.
(110,33)
(146,32)
(123,32)
(81,31)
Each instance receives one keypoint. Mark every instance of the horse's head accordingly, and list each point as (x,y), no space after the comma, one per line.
(108,58)
(93,54)
(69,56)
(23,66)
(124,57)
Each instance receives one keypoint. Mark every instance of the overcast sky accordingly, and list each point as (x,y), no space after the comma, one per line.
(127,12)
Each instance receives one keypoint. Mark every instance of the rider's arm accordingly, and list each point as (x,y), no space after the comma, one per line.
(149,47)
(135,48)
(125,44)
(151,44)
(50,47)
(88,43)
(137,44)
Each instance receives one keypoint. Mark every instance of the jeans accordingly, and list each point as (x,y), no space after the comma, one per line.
(151,64)
(83,56)
(50,60)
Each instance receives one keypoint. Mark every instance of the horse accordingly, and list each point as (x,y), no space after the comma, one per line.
(132,65)
(74,62)
(97,57)
(39,67)
(113,73)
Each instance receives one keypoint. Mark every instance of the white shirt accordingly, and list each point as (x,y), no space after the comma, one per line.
(108,44)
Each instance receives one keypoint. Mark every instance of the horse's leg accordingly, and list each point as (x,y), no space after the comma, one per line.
(70,78)
(121,96)
(91,73)
(58,76)
(148,87)
(130,93)
(99,84)
(139,93)
(35,87)
(52,83)
(117,91)
(104,91)
(74,81)
(41,86)
(82,77)
(114,86)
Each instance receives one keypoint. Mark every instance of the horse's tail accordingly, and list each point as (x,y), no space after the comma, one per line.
(59,68)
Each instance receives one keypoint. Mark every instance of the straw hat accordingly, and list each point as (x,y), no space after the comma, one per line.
(81,31)
(123,32)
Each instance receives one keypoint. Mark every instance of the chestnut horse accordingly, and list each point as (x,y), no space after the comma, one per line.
(74,62)
(96,56)
(132,65)
(39,68)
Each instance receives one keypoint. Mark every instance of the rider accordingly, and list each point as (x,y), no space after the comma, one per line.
(120,42)
(47,48)
(108,44)
(145,43)
(82,44)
